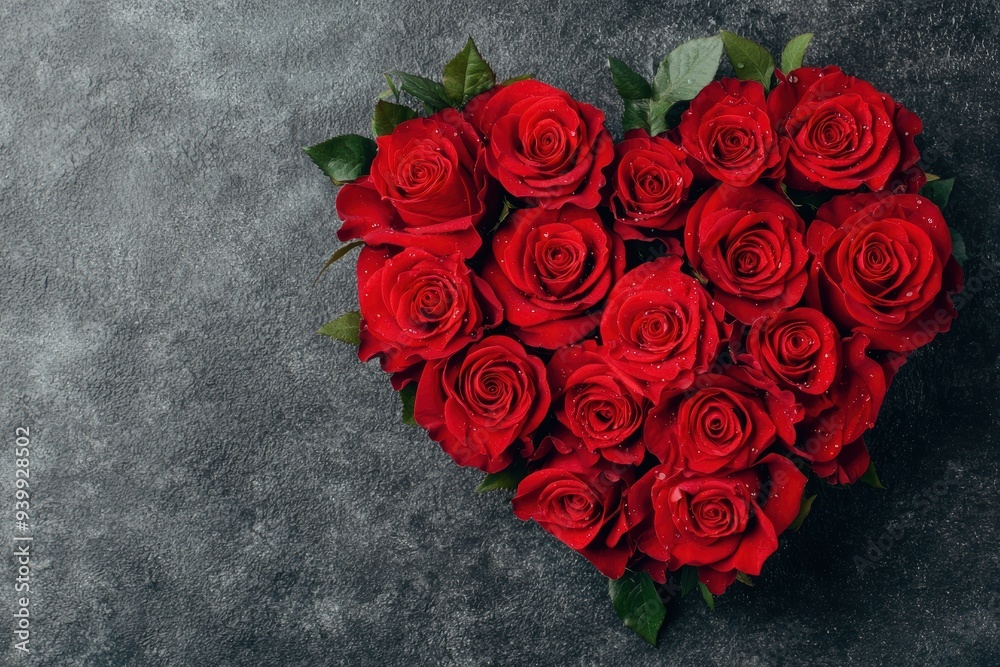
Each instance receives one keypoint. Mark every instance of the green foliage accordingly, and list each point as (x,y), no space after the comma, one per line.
(638,604)
(388,115)
(408,396)
(795,50)
(750,60)
(467,75)
(344,158)
(346,329)
(682,74)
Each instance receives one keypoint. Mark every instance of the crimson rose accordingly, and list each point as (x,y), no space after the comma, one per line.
(728,131)
(841,133)
(582,506)
(723,426)
(661,326)
(417,307)
(544,146)
(549,268)
(599,404)
(884,268)
(428,188)
(830,435)
(650,180)
(721,524)
(799,349)
(478,403)
(749,243)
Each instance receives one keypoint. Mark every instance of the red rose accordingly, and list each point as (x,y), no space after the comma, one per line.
(549,268)
(798,349)
(842,133)
(661,326)
(418,307)
(474,108)
(830,436)
(479,403)
(728,131)
(650,180)
(581,505)
(721,524)
(723,426)
(598,403)
(884,268)
(544,146)
(749,243)
(428,188)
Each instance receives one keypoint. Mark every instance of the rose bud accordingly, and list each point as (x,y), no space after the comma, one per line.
(580,505)
(545,147)
(428,188)
(884,267)
(549,268)
(728,132)
(418,307)
(842,134)
(749,243)
(479,403)
(650,180)
(598,403)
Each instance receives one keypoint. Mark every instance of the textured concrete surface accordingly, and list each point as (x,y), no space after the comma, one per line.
(213,484)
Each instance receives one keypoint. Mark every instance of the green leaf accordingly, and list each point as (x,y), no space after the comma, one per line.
(467,75)
(939,191)
(744,579)
(408,396)
(388,115)
(638,604)
(338,254)
(871,477)
(345,328)
(392,86)
(343,158)
(750,60)
(636,115)
(515,79)
(791,57)
(699,277)
(658,112)
(431,93)
(689,68)
(392,91)
(804,510)
(505,210)
(674,114)
(630,84)
(689,579)
(679,78)
(506,479)
(958,248)
(803,198)
(707,596)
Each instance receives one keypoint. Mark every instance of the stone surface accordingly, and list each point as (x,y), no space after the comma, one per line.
(213,484)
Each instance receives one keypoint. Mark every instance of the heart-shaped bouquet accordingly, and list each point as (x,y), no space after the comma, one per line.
(652,341)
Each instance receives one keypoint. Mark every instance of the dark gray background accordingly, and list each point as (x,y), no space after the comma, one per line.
(216,485)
